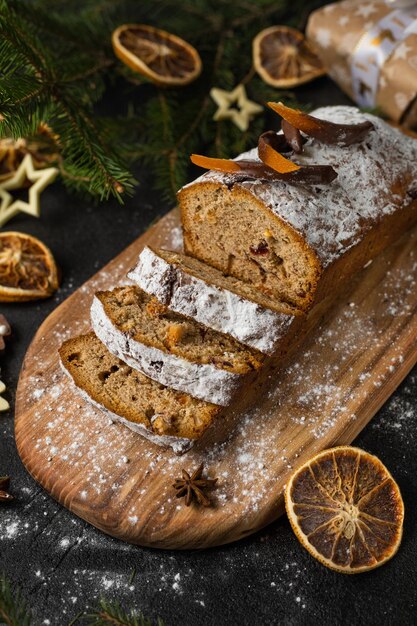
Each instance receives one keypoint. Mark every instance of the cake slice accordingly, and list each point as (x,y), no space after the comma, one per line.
(164,416)
(298,243)
(170,348)
(222,303)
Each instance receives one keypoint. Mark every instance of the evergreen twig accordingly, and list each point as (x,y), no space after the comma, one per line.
(13,608)
(112,614)
(50,72)
(14,611)
(55,66)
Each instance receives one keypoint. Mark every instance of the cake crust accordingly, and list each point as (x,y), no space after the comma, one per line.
(325,224)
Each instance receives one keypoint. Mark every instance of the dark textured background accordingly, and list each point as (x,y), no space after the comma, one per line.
(64,565)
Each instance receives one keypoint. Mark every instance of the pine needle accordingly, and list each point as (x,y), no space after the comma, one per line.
(132,575)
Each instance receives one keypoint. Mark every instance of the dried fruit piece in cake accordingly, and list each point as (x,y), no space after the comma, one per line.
(165,416)
(164,58)
(317,234)
(27,268)
(283,58)
(346,509)
(222,303)
(170,348)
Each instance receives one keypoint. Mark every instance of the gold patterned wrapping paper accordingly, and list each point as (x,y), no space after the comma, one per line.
(370,49)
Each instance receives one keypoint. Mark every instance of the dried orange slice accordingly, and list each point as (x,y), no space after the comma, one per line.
(346,509)
(162,57)
(27,268)
(283,58)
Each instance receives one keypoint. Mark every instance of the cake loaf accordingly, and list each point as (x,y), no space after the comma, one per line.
(166,417)
(299,243)
(169,348)
(223,303)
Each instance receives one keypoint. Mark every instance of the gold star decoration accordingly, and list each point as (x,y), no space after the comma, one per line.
(242,114)
(26,171)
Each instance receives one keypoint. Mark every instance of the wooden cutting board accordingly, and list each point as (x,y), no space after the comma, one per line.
(122,484)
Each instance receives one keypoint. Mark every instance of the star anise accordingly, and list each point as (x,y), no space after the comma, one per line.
(194,486)
(5,496)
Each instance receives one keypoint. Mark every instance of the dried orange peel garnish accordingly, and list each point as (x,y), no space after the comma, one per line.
(327,132)
(270,146)
(245,170)
(272,158)
(297,118)
(267,154)
(273,164)
(220,165)
(242,167)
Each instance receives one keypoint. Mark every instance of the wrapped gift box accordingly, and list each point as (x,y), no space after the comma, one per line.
(370,49)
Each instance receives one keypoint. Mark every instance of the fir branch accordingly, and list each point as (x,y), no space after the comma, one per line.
(55,67)
(37,85)
(13,608)
(112,614)
(15,612)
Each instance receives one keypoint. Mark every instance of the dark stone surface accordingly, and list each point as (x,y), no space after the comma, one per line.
(64,565)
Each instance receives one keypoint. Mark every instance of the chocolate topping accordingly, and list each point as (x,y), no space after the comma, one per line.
(293,136)
(342,134)
(310,175)
(327,132)
(277,142)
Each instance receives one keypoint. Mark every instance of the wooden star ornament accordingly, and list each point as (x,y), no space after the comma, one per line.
(26,171)
(244,111)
